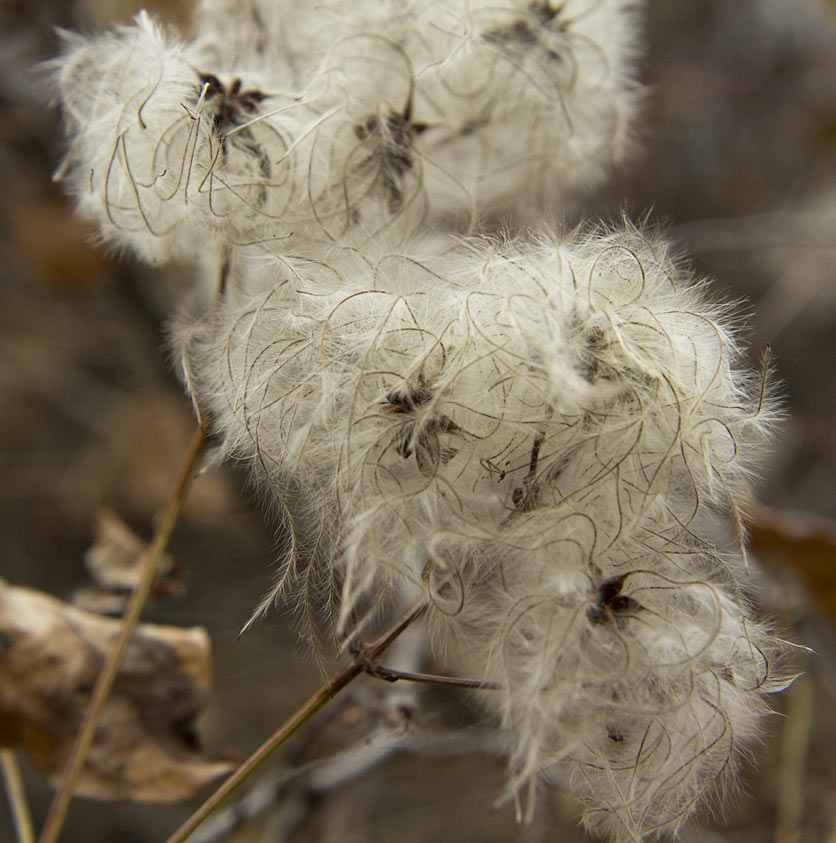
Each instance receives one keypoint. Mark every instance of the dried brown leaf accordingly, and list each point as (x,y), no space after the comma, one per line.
(145,747)
(114,560)
(99,601)
(803,541)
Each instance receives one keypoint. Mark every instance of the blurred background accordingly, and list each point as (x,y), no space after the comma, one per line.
(737,161)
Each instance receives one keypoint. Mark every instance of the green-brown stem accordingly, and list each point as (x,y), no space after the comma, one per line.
(17,796)
(107,675)
(299,718)
(387,674)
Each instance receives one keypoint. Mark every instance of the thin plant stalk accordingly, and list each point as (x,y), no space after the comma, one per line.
(358,665)
(107,675)
(388,674)
(16,794)
(794,747)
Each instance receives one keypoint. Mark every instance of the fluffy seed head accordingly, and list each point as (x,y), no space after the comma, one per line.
(537,436)
(414,116)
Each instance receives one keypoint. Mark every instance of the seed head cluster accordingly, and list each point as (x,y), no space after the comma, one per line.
(544,437)
(414,116)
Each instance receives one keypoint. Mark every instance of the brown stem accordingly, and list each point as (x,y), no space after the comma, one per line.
(295,722)
(387,674)
(17,796)
(107,675)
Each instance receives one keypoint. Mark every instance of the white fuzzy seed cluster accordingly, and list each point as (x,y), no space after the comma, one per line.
(538,441)
(315,122)
(540,437)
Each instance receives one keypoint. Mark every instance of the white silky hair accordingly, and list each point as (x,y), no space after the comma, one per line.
(107,85)
(539,435)
(536,436)
(537,99)
(413,117)
(159,158)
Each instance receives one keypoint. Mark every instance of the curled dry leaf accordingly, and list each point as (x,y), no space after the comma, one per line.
(805,542)
(100,602)
(145,746)
(114,560)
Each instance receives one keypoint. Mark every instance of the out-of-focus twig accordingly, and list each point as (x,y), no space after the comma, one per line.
(17,796)
(107,675)
(796,738)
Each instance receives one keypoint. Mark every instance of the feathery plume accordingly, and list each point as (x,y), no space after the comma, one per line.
(413,117)
(537,436)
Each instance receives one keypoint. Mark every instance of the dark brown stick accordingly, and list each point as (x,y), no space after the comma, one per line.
(299,718)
